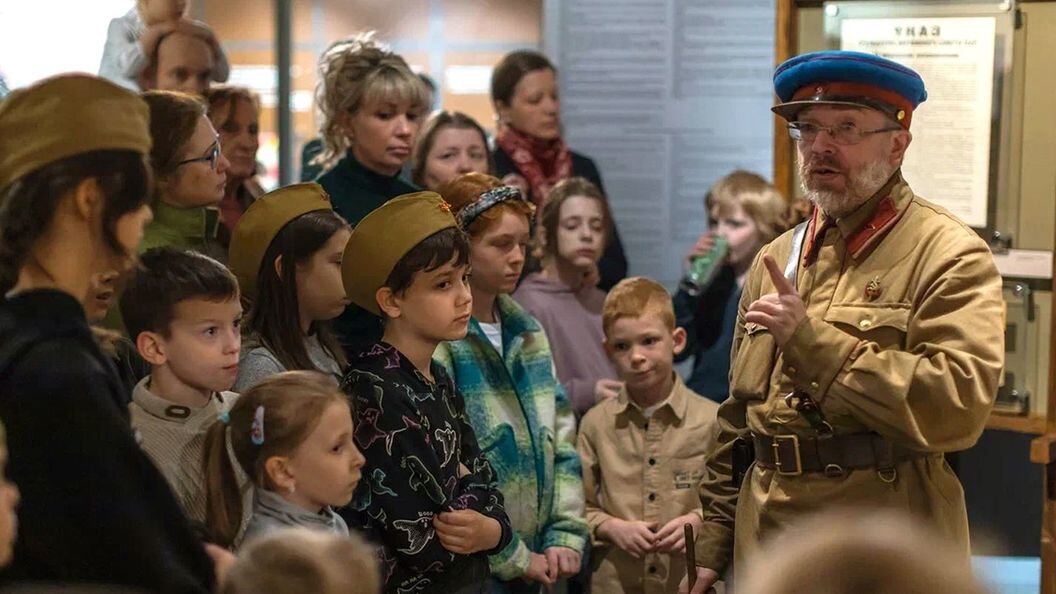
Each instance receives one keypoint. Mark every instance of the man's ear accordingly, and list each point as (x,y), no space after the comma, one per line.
(900,141)
(280,474)
(278,266)
(390,303)
(678,338)
(151,347)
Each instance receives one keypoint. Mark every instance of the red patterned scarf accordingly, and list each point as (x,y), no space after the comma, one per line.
(542,162)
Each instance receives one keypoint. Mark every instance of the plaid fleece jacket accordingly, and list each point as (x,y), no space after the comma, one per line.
(525,427)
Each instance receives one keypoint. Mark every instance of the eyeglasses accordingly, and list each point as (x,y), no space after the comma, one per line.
(845,134)
(211,158)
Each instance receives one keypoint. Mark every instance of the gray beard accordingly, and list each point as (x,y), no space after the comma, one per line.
(860,188)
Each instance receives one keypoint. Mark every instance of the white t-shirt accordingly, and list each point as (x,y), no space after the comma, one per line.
(494,334)
(648,411)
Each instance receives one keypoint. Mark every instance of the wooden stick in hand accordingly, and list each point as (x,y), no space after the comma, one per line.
(691,556)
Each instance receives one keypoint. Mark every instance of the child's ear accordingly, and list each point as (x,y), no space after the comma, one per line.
(278,266)
(540,236)
(389,302)
(87,198)
(151,347)
(280,474)
(609,351)
(678,337)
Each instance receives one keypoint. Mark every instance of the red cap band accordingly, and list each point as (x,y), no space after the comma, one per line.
(902,109)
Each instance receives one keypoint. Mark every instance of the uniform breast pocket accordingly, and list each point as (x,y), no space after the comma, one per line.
(885,325)
(685,494)
(752,363)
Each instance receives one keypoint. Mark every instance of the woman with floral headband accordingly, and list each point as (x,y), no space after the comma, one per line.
(504,370)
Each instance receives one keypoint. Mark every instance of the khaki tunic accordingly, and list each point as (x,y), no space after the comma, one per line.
(915,358)
(639,468)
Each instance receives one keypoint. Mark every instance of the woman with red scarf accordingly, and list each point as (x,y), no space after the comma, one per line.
(529,150)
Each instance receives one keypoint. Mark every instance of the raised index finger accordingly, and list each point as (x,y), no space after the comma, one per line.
(777,276)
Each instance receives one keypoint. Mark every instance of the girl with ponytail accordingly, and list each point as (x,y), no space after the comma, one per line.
(292,435)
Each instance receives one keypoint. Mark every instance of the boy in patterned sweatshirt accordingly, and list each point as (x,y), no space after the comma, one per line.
(428,496)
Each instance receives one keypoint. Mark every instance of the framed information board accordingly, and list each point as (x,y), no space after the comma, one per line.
(963,51)
(667,96)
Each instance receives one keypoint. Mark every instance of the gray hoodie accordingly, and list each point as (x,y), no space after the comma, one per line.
(572,321)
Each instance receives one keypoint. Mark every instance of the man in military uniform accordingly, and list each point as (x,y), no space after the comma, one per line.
(868,342)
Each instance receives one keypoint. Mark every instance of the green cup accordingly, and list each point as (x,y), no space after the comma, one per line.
(703,268)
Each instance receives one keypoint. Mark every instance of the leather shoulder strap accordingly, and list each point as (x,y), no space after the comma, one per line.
(799,234)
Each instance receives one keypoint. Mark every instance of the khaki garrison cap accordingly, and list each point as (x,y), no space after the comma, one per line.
(67,115)
(262,221)
(384,237)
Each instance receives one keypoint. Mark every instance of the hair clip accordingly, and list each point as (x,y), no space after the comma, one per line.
(224,418)
(256,433)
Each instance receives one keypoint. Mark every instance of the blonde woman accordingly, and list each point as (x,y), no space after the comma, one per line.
(372,106)
(746,212)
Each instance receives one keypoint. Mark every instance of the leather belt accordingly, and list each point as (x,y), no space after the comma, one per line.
(833,456)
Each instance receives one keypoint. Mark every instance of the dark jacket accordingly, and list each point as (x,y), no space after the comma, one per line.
(415,436)
(355,191)
(709,320)
(94,507)
(613,263)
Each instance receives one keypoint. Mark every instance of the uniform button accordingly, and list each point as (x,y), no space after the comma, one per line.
(652,497)
(791,371)
(864,324)
(814,385)
(652,461)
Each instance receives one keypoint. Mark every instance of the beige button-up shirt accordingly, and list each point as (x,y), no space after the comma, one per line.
(647,469)
(904,337)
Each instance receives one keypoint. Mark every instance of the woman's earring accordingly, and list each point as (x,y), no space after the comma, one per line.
(292,488)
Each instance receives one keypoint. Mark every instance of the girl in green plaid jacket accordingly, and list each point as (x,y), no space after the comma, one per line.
(505,372)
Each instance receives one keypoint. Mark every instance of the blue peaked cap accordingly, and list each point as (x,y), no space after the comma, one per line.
(846,77)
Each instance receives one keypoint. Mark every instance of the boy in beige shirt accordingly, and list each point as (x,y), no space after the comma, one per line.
(643,452)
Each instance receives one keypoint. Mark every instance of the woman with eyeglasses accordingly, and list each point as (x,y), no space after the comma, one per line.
(235,112)
(190,172)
